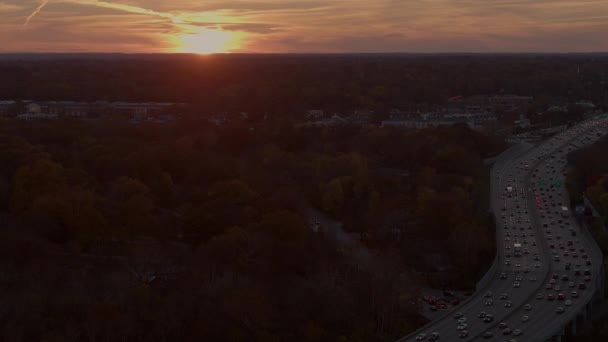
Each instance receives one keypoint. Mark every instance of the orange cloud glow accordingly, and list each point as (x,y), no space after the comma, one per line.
(303,25)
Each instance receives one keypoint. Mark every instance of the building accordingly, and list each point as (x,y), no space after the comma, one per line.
(8,108)
(315,114)
(335,120)
(427,120)
(510,103)
(139,111)
(74,109)
(35,111)
(362,116)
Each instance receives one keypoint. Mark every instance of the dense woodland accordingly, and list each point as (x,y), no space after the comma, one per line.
(111,231)
(588,176)
(284,84)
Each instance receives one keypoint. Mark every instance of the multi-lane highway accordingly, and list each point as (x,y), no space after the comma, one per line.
(546,268)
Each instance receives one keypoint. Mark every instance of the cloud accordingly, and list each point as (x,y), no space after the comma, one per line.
(311,25)
(6,7)
(36,11)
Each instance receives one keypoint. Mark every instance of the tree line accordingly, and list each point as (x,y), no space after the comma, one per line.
(284,84)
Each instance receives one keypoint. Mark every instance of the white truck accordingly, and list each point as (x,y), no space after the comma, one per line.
(517,249)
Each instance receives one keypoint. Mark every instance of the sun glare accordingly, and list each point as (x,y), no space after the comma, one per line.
(206,41)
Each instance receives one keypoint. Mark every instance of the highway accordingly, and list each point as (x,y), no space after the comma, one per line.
(536,238)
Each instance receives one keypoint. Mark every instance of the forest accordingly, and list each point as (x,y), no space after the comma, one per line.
(588,176)
(111,231)
(290,84)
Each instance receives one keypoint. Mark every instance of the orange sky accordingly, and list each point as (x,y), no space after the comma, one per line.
(205,26)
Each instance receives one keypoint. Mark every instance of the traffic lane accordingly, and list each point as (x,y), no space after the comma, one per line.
(545,321)
(544,311)
(535,211)
(519,297)
(514,319)
(447,328)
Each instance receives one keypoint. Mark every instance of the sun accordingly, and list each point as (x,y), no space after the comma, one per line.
(207,41)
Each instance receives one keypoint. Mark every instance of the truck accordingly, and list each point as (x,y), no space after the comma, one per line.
(565,212)
(517,249)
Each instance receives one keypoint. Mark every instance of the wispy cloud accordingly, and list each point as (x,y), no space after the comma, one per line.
(36,11)
(309,25)
(123,7)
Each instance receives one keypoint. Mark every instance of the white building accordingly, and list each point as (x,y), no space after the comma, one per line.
(33,111)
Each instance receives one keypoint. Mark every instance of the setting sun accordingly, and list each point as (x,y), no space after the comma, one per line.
(205,41)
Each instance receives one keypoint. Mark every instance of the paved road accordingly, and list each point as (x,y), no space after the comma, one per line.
(527,197)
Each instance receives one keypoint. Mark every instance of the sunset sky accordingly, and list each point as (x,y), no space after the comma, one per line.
(204,26)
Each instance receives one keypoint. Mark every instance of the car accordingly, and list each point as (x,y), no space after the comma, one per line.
(574,294)
(548,286)
(421,337)
(525,318)
(458,315)
(488,319)
(462,320)
(554,276)
(560,296)
(582,286)
(482,314)
(489,302)
(507,331)
(517,332)
(503,275)
(540,296)
(552,281)
(556,288)
(462,326)
(568,302)
(503,296)
(502,325)
(587,272)
(463,334)
(488,294)
(532,278)
(560,310)
(488,335)
(516,284)
(434,336)
(550,297)
(528,307)
(508,304)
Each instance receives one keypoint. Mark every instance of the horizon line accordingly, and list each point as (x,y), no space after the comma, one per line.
(299,53)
